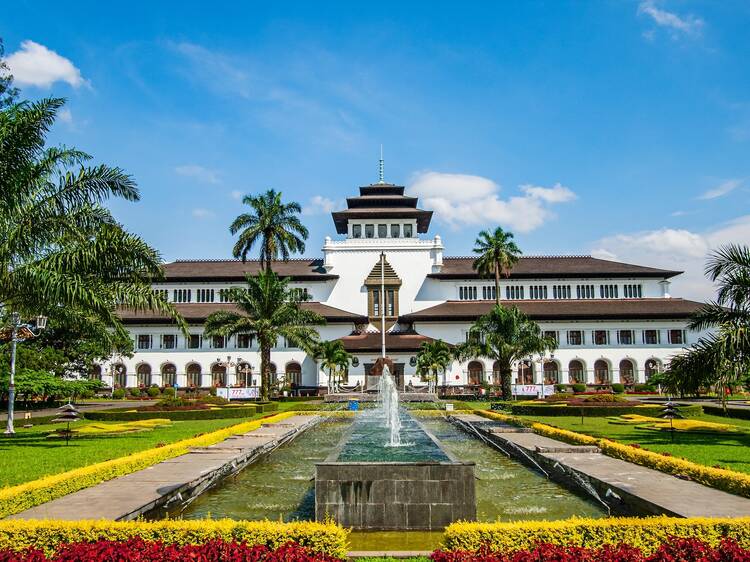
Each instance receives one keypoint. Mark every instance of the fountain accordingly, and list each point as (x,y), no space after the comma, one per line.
(389,472)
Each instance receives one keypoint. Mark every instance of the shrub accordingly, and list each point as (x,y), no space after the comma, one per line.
(618,388)
(604,398)
(561,387)
(597,409)
(212,399)
(118,393)
(50,535)
(672,550)
(212,391)
(24,496)
(644,388)
(169,392)
(190,414)
(134,391)
(648,534)
(579,387)
(737,413)
(153,391)
(558,397)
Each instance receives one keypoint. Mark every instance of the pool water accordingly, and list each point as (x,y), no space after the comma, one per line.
(281,486)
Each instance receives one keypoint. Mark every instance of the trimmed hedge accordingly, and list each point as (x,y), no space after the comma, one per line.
(729,481)
(46,535)
(646,534)
(688,411)
(219,413)
(24,496)
(737,413)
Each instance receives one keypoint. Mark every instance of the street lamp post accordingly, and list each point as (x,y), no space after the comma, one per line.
(17,329)
(227,364)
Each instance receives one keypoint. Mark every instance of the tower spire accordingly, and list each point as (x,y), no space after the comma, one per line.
(381,167)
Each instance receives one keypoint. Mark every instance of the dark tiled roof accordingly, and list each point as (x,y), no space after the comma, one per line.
(302,269)
(198,312)
(613,309)
(533,267)
(372,342)
(340,218)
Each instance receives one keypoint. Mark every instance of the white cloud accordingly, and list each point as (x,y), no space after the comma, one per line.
(65,116)
(678,249)
(202,213)
(236,194)
(687,25)
(198,173)
(721,189)
(319,205)
(36,65)
(462,199)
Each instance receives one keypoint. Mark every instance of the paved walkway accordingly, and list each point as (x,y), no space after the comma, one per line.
(129,496)
(668,494)
(82,406)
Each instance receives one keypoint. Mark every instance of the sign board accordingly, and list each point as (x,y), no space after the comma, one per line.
(533,390)
(238,393)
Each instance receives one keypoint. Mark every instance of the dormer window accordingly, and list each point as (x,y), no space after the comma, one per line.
(356,231)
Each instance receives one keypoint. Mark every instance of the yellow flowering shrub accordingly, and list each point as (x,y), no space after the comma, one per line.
(328,538)
(29,494)
(698,426)
(646,534)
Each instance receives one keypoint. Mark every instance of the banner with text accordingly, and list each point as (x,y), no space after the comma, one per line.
(533,389)
(238,393)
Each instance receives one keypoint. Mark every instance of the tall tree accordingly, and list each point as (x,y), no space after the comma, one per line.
(498,254)
(506,336)
(8,93)
(723,357)
(61,252)
(334,358)
(273,224)
(268,311)
(434,357)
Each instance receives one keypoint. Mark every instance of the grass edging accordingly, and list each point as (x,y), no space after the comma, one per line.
(325,538)
(646,534)
(722,479)
(24,496)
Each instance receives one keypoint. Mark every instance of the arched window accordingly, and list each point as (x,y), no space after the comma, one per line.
(273,370)
(476,373)
(627,372)
(551,375)
(95,374)
(294,374)
(143,374)
(193,371)
(218,375)
(120,375)
(168,374)
(497,374)
(525,373)
(601,372)
(244,374)
(653,367)
(576,373)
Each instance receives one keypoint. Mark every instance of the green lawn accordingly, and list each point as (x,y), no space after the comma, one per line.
(28,455)
(727,450)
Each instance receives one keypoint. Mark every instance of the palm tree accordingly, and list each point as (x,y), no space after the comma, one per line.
(334,357)
(724,356)
(273,224)
(497,255)
(62,253)
(268,311)
(434,357)
(506,336)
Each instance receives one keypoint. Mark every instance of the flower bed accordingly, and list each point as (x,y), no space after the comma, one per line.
(24,496)
(597,409)
(648,535)
(675,550)
(94,538)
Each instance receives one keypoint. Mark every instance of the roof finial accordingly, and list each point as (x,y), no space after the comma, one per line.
(381,168)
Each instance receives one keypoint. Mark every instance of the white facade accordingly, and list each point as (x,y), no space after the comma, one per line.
(638,297)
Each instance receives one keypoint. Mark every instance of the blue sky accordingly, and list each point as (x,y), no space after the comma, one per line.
(618,128)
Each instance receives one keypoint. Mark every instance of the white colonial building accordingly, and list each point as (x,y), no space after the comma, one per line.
(614,322)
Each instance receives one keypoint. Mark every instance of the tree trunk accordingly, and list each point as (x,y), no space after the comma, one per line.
(497,283)
(268,254)
(505,380)
(265,371)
